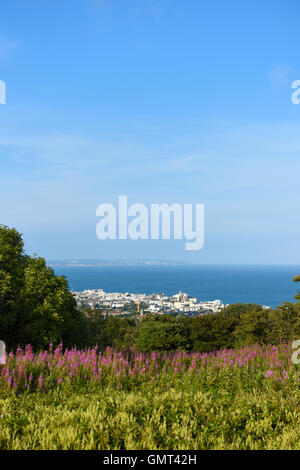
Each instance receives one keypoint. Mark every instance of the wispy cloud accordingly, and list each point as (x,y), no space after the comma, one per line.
(6,47)
(281,75)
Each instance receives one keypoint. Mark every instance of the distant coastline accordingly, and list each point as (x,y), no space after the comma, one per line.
(85,263)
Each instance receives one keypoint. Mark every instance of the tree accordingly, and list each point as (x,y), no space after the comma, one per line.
(253,327)
(285,322)
(203,333)
(120,332)
(11,282)
(36,306)
(49,307)
(94,332)
(297,279)
(163,333)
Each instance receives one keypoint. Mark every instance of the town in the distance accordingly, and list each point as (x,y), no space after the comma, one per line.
(119,304)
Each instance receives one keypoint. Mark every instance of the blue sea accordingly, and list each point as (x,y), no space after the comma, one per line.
(264,285)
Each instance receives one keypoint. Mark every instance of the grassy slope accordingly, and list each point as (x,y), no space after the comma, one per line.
(228,412)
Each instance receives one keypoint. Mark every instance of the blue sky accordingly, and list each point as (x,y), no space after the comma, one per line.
(161,100)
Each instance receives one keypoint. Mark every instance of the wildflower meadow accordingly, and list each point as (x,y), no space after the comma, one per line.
(60,398)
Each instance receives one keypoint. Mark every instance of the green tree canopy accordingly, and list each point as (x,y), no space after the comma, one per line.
(36,306)
(284,322)
(162,333)
(297,279)
(253,327)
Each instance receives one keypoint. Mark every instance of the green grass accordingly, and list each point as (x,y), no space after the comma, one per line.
(228,411)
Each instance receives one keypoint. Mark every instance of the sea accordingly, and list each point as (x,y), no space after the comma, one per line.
(264,285)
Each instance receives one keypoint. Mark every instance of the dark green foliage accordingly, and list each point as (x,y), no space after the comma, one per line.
(237,325)
(162,333)
(284,322)
(95,328)
(253,327)
(297,279)
(119,333)
(35,305)
(11,282)
(203,333)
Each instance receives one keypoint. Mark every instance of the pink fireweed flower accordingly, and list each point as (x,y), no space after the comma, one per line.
(269,373)
(40,382)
